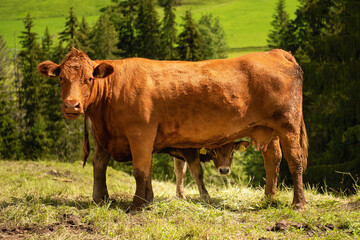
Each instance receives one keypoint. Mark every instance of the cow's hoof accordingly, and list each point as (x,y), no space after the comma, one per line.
(98,201)
(134,209)
(101,200)
(181,195)
(205,196)
(299,207)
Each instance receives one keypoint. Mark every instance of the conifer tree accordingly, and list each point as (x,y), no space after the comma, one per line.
(46,44)
(147,30)
(35,139)
(277,36)
(29,57)
(9,143)
(169,31)
(104,39)
(50,90)
(68,35)
(123,16)
(190,41)
(59,52)
(214,37)
(83,38)
(330,59)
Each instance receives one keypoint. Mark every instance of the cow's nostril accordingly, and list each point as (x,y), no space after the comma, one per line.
(224,171)
(77,106)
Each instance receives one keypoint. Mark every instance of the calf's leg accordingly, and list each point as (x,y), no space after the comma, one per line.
(193,160)
(180,171)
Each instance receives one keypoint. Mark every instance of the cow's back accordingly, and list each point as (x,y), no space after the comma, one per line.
(203,103)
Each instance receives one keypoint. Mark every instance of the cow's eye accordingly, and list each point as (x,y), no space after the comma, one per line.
(60,79)
(91,79)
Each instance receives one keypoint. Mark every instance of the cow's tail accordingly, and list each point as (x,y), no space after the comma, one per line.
(86,144)
(304,143)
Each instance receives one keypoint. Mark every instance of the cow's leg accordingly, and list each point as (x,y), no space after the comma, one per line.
(180,171)
(293,152)
(193,160)
(272,158)
(100,160)
(141,145)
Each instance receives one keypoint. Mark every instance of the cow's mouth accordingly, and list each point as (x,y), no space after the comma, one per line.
(72,115)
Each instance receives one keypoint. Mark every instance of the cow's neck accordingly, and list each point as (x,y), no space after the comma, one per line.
(99,101)
(100,96)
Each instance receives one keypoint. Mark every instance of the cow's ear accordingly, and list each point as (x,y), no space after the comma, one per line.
(241,146)
(49,69)
(103,70)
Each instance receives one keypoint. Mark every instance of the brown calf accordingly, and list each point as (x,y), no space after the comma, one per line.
(222,157)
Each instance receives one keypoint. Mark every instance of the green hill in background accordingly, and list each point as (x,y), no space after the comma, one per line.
(246,22)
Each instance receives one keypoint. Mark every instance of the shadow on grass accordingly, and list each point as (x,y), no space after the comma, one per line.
(221,204)
(118,201)
(123,201)
(53,201)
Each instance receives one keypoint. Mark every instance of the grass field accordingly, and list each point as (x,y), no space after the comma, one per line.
(52,200)
(246,22)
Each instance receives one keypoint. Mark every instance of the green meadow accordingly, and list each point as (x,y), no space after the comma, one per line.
(246,22)
(52,200)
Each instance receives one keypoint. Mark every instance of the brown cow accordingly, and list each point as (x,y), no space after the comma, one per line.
(140,106)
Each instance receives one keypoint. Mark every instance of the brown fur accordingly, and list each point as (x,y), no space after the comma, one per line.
(86,144)
(145,105)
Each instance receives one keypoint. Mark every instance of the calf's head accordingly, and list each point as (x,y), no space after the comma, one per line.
(77,74)
(223,156)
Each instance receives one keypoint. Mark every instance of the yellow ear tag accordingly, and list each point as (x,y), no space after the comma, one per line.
(203,151)
(242,148)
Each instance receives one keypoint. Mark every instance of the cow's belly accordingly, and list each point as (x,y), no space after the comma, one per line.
(197,130)
(207,116)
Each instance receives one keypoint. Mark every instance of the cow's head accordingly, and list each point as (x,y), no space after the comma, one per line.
(223,156)
(77,74)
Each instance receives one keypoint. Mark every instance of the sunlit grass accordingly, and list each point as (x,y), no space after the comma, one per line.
(30,196)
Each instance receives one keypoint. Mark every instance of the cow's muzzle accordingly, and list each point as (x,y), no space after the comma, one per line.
(72,109)
(224,170)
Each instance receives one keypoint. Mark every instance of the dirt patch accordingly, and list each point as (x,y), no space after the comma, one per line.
(60,176)
(25,231)
(54,172)
(352,205)
(284,225)
(66,220)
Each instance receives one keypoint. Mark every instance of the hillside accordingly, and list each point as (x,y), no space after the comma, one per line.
(52,200)
(246,23)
